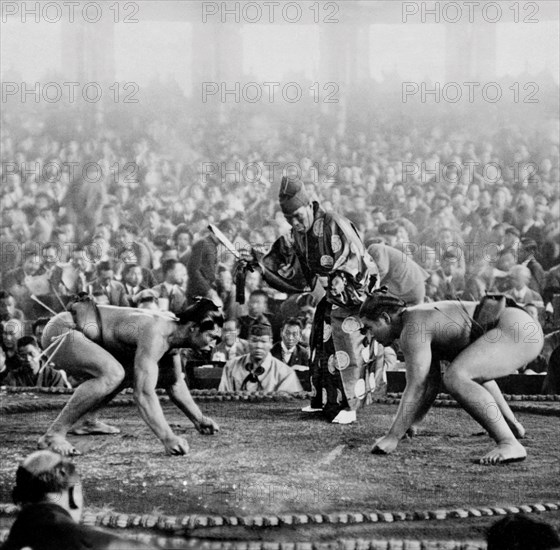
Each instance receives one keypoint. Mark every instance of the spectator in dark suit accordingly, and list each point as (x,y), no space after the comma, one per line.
(256,306)
(551,284)
(203,262)
(170,293)
(12,331)
(452,283)
(231,345)
(14,281)
(519,277)
(133,282)
(105,289)
(182,239)
(525,222)
(290,350)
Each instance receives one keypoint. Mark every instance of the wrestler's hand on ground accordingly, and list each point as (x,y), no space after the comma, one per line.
(206,426)
(176,446)
(385,445)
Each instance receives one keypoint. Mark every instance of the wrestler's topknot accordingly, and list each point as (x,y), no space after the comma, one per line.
(381,301)
(202,311)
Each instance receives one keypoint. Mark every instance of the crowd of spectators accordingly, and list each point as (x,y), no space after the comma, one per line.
(123,216)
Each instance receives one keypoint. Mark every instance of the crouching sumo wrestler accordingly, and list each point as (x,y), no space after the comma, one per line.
(481,341)
(107,348)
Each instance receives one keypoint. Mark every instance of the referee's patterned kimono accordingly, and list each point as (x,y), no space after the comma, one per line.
(332,247)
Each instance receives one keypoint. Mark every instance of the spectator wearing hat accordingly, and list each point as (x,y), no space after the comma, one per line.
(259,370)
(326,246)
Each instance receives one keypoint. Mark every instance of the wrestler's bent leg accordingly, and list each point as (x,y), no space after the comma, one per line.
(80,357)
(500,352)
(515,426)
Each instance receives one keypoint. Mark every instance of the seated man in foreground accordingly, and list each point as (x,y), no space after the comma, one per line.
(107,347)
(50,492)
(258,370)
(481,341)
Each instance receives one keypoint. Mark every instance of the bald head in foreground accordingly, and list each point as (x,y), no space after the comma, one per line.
(49,490)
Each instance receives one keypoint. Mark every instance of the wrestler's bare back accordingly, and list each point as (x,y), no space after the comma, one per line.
(448,326)
(123,329)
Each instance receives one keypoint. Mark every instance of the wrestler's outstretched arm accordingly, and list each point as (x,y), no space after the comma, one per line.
(416,397)
(145,380)
(180,395)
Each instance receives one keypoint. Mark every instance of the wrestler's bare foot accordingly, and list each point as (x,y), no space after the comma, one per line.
(95,427)
(58,444)
(509,451)
(385,445)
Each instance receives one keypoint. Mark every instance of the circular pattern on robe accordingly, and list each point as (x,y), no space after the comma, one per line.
(336,243)
(327,261)
(371,380)
(365,354)
(331,364)
(343,360)
(327,332)
(360,388)
(350,325)
(319,227)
